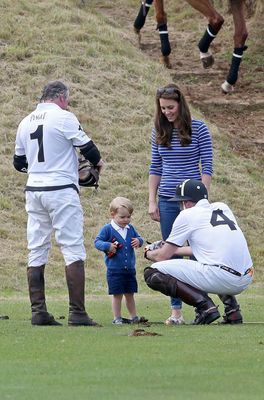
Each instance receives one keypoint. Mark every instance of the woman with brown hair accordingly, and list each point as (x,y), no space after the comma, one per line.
(181,148)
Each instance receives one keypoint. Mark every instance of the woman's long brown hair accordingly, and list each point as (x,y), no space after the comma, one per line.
(164,127)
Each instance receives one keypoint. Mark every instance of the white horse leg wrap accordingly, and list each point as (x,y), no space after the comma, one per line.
(227,88)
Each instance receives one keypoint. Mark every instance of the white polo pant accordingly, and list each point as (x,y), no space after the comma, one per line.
(57,211)
(205,277)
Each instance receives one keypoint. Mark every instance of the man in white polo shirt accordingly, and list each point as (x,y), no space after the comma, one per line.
(46,144)
(223,263)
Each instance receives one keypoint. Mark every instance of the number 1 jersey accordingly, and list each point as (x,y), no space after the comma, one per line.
(48,138)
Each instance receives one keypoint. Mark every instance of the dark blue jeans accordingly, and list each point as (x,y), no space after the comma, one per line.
(169,210)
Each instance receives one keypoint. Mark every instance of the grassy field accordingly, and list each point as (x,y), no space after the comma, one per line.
(112,92)
(206,362)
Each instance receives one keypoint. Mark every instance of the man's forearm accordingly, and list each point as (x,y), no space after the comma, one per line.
(184,251)
(165,254)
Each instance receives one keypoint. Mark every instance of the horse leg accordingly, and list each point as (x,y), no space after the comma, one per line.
(141,17)
(161,18)
(240,37)
(215,22)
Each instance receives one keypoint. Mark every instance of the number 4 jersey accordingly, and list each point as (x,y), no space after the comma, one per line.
(213,234)
(48,137)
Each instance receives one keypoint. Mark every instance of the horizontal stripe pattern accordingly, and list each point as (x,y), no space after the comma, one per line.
(176,163)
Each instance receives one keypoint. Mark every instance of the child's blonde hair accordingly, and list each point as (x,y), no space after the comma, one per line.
(118,202)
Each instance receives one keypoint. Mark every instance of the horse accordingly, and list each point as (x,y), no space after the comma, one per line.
(215,22)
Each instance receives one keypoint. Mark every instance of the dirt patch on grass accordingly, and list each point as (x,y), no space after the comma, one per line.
(142,332)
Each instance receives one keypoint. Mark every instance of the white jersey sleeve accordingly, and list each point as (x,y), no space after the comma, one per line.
(20,148)
(73,130)
(180,231)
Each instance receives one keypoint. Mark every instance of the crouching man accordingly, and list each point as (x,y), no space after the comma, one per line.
(223,264)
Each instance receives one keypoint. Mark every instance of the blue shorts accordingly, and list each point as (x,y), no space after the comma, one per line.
(122,282)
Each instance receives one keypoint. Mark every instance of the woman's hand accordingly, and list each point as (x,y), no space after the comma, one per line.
(154,211)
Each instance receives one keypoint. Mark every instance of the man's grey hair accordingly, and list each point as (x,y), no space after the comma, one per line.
(54,89)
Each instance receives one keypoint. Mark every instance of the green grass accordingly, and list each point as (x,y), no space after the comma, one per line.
(112,93)
(185,362)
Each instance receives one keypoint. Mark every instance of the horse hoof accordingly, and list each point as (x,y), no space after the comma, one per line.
(207,59)
(165,60)
(227,88)
(207,62)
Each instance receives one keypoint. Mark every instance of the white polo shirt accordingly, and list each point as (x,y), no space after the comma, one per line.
(213,234)
(48,137)
(120,230)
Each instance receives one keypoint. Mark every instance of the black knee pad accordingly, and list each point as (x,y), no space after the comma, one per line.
(163,283)
(147,273)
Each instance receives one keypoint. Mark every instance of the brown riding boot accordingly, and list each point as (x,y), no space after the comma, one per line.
(232,313)
(75,277)
(36,285)
(206,310)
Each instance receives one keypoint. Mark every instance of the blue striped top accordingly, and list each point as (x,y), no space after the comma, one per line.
(176,163)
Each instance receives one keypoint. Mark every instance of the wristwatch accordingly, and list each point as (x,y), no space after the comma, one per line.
(145,254)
